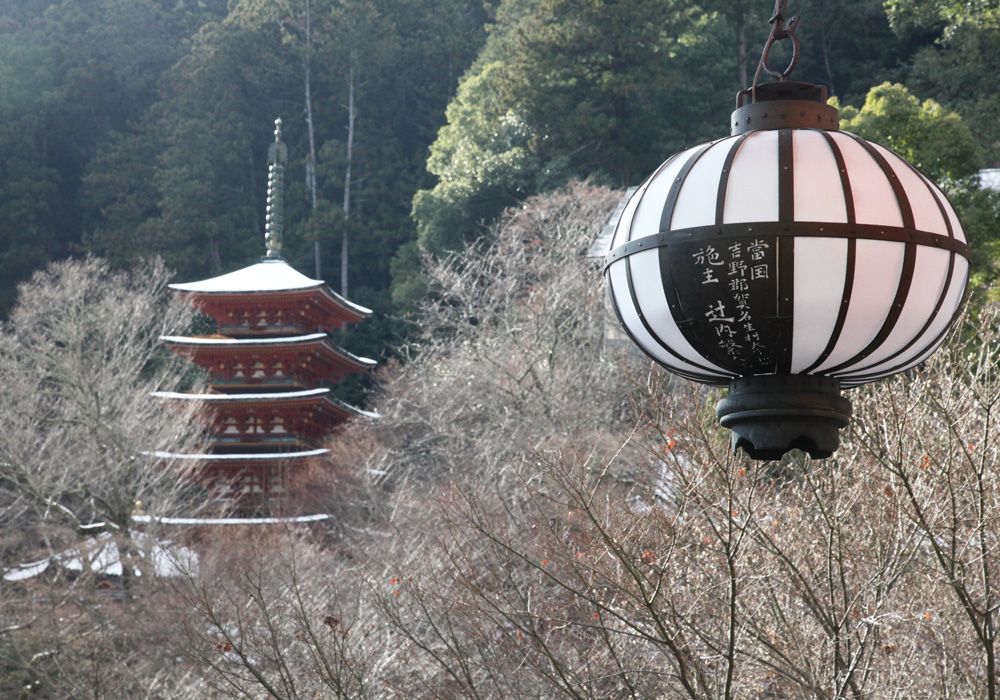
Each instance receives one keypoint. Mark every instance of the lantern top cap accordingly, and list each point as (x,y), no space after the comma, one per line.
(783,105)
(783,90)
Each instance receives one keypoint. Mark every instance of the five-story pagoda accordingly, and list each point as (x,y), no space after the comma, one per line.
(265,411)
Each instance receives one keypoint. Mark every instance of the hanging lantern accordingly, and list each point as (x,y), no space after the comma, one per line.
(787,261)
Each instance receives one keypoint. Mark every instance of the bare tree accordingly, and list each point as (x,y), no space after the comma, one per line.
(271,611)
(78,360)
(514,527)
(934,435)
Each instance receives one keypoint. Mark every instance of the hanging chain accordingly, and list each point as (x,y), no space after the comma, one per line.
(780,30)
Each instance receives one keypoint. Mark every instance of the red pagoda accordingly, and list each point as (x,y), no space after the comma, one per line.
(265,413)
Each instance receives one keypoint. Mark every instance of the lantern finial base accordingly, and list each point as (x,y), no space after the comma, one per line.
(774,414)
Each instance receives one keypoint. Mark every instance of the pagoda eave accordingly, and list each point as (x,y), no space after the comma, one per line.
(253,418)
(265,289)
(256,459)
(311,358)
(275,312)
(264,414)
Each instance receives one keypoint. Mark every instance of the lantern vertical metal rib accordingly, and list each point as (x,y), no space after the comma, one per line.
(852,246)
(785,255)
(787,261)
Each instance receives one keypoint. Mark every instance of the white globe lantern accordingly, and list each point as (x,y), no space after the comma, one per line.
(787,261)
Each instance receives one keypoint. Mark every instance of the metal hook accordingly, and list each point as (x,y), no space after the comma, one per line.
(780,30)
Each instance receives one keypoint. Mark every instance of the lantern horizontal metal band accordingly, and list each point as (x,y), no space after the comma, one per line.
(790,249)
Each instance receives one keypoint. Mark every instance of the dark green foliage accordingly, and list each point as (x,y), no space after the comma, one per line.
(935,140)
(564,88)
(71,74)
(849,46)
(138,127)
(980,211)
(956,74)
(611,89)
(945,15)
(188,181)
(942,145)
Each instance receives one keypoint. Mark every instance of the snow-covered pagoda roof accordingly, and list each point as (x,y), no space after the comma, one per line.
(310,340)
(101,555)
(239,398)
(264,398)
(223,342)
(268,276)
(246,457)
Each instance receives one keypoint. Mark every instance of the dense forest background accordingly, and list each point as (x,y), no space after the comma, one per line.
(133,128)
(534,515)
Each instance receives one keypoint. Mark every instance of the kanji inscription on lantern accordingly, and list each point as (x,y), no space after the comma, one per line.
(734,297)
(708,256)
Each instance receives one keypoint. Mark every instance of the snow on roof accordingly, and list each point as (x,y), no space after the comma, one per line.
(355,410)
(265,276)
(231,521)
(26,571)
(989,179)
(602,244)
(222,398)
(250,342)
(277,396)
(100,554)
(351,355)
(246,457)
(237,342)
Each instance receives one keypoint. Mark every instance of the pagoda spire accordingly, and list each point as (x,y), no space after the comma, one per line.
(277,157)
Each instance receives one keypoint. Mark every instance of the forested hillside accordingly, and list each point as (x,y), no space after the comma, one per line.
(140,127)
(536,513)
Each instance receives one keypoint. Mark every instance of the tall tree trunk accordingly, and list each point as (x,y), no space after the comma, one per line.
(824,44)
(311,128)
(352,114)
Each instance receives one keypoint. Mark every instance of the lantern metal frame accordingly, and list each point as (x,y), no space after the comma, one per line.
(777,403)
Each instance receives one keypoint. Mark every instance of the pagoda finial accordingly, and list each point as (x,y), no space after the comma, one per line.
(277,157)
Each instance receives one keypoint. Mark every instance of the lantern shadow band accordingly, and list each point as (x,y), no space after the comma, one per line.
(742,230)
